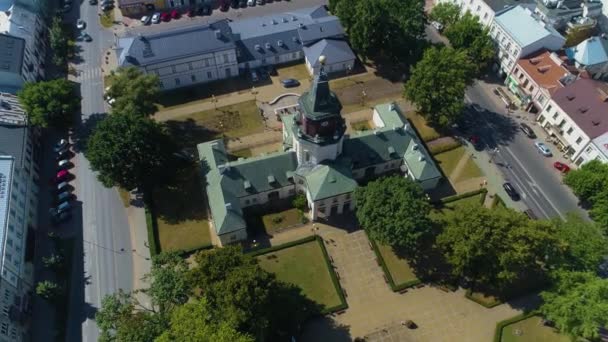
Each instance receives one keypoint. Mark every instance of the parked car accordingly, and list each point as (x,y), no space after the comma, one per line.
(65,196)
(527,130)
(61,176)
(66,8)
(107,7)
(146,19)
(543,148)
(63,164)
(290,83)
(165,16)
(260,2)
(80,24)
(476,142)
(61,217)
(60,145)
(64,206)
(85,37)
(235,3)
(63,154)
(243,3)
(92,2)
(63,186)
(437,25)
(156,18)
(191,12)
(175,14)
(561,167)
(254,76)
(204,10)
(510,190)
(250,3)
(224,6)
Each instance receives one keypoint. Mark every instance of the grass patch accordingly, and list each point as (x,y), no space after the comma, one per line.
(350,81)
(398,267)
(125,197)
(426,132)
(304,265)
(297,71)
(107,19)
(201,93)
(530,329)
(286,218)
(485,300)
(361,126)
(440,146)
(448,160)
(469,171)
(181,213)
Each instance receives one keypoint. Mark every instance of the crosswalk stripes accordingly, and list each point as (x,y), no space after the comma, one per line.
(89,74)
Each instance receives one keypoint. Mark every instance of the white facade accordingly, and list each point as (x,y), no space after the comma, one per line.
(555,121)
(185,72)
(274,60)
(329,68)
(309,152)
(477,7)
(597,149)
(22,23)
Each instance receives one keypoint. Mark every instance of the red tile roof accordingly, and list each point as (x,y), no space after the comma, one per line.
(544,70)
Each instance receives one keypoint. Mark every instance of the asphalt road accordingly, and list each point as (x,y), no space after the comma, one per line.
(106,265)
(531,173)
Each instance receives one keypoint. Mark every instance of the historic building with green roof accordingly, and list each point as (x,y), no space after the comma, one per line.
(318,160)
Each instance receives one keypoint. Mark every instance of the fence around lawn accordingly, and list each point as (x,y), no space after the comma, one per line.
(502,324)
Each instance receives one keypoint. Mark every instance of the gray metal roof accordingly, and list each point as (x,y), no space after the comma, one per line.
(328,27)
(335,51)
(13,142)
(11,53)
(497,5)
(145,49)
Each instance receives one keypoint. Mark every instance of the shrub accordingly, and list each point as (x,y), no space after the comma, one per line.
(300,202)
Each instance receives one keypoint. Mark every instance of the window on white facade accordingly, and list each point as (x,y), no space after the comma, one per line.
(161,85)
(555,115)
(589,149)
(478,8)
(177,82)
(570,130)
(209,74)
(225,58)
(485,16)
(579,140)
(193,77)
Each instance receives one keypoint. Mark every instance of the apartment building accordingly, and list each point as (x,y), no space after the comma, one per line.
(485,10)
(591,55)
(22,45)
(575,118)
(558,13)
(517,33)
(18,217)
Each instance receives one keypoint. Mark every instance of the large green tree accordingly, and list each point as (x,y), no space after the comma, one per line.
(394,211)
(130,151)
(468,34)
(577,303)
(438,83)
(133,91)
(589,180)
(193,322)
(445,13)
(496,247)
(169,285)
(585,243)
(394,28)
(49,103)
(48,290)
(58,40)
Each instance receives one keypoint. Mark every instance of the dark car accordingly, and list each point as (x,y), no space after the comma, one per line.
(107,7)
(225,5)
(61,217)
(63,154)
(92,2)
(235,3)
(243,3)
(191,13)
(510,190)
(204,10)
(290,82)
(527,130)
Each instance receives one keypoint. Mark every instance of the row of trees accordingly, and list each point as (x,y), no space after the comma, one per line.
(492,250)
(590,184)
(439,80)
(224,297)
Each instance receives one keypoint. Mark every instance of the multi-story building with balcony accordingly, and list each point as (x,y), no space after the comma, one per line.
(485,10)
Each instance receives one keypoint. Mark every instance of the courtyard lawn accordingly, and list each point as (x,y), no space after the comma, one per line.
(448,160)
(303,265)
(531,330)
(466,200)
(231,121)
(181,213)
(398,267)
(296,71)
(361,126)
(286,218)
(205,92)
(427,133)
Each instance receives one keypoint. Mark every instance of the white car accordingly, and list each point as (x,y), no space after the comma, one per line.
(80,24)
(250,3)
(156,18)
(437,25)
(63,164)
(543,148)
(61,144)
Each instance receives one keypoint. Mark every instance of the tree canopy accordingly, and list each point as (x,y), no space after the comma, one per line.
(133,91)
(59,42)
(590,184)
(438,83)
(585,243)
(577,303)
(394,211)
(495,247)
(49,103)
(130,151)
(394,28)
(168,281)
(445,13)
(468,34)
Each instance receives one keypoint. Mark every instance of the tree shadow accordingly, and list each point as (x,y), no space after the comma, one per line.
(84,130)
(501,131)
(188,133)
(324,328)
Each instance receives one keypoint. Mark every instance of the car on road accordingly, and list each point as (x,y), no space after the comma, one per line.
(561,167)
(477,108)
(64,206)
(156,18)
(543,148)
(290,83)
(437,25)
(86,37)
(61,217)
(63,186)
(60,145)
(225,6)
(92,2)
(477,142)
(259,2)
(80,24)
(146,19)
(191,12)
(510,190)
(175,14)
(527,130)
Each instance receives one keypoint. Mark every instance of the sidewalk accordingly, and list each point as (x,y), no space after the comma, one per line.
(139,244)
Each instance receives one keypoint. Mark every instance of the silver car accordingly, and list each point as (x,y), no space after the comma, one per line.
(543,148)
(156,18)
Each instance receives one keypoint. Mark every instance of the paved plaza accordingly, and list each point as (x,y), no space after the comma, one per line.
(377,313)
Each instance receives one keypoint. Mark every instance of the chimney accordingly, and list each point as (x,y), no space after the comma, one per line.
(228,205)
(421,158)
(391,106)
(544,68)
(218,34)
(415,147)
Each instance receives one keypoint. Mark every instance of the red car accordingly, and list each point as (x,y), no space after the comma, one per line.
(561,167)
(165,16)
(175,14)
(61,175)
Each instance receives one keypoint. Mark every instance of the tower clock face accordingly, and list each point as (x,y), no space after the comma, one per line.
(324,123)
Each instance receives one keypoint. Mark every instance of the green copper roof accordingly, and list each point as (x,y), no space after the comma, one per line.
(390,114)
(320,102)
(288,129)
(328,180)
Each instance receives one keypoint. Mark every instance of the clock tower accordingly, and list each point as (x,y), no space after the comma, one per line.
(319,126)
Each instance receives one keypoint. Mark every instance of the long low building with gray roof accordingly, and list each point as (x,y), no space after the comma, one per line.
(318,160)
(203,53)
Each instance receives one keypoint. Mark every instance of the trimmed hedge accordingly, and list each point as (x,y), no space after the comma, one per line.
(497,200)
(440,148)
(185,253)
(334,278)
(502,324)
(469,295)
(151,225)
(387,273)
(464,195)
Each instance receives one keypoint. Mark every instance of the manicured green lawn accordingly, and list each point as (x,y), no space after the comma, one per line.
(399,268)
(448,160)
(426,132)
(487,300)
(361,126)
(282,219)
(472,199)
(531,330)
(181,213)
(304,266)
